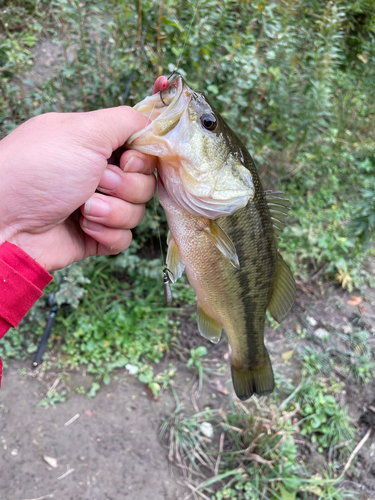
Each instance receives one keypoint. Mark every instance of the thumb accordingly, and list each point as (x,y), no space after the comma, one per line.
(108,129)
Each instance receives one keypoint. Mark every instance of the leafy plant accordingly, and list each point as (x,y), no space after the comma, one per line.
(323,418)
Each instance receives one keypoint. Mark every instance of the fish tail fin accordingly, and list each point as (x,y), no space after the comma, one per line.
(259,380)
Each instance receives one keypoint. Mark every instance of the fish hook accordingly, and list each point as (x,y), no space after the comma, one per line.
(161,97)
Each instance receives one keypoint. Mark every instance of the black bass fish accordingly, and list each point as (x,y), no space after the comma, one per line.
(223,227)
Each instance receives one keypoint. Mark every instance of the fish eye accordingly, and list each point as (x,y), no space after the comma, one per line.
(208,121)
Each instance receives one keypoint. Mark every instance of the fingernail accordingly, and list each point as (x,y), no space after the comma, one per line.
(110,180)
(135,163)
(129,162)
(96,208)
(93,226)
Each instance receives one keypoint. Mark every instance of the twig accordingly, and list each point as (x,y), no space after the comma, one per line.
(41,498)
(194,490)
(315,276)
(221,446)
(67,473)
(333,448)
(52,389)
(72,420)
(356,449)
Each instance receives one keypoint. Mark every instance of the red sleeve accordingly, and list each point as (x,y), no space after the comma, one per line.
(22,280)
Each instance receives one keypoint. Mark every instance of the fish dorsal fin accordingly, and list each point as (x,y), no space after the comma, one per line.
(207,326)
(278,206)
(174,262)
(284,291)
(222,242)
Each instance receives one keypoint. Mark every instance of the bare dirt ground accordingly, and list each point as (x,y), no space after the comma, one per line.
(111,451)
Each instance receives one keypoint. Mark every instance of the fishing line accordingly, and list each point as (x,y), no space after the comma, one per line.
(187,37)
(158,226)
(156,212)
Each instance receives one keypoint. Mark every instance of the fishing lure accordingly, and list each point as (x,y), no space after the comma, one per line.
(167,287)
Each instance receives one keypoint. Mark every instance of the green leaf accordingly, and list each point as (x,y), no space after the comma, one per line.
(287,495)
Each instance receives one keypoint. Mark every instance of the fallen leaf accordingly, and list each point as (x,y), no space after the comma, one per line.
(220,387)
(287,355)
(354,301)
(363,58)
(52,462)
(259,459)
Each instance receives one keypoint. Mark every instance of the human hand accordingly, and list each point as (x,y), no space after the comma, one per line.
(50,168)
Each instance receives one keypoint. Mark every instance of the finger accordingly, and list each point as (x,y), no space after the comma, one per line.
(133,161)
(112,212)
(110,241)
(130,186)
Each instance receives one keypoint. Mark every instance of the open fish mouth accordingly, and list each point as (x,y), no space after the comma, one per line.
(165,109)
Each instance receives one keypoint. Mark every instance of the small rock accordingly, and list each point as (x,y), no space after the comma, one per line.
(14,452)
(207,429)
(311,321)
(321,333)
(347,329)
(50,461)
(132,369)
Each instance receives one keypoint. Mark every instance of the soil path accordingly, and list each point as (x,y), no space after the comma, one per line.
(112,447)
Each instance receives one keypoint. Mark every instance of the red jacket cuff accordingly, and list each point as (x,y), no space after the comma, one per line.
(22,280)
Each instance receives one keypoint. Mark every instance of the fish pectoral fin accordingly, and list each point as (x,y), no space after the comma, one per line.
(174,262)
(222,243)
(207,326)
(260,380)
(284,291)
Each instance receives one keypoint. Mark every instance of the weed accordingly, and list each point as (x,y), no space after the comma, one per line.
(323,419)
(252,450)
(195,362)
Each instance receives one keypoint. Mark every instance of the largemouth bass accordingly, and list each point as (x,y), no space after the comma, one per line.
(223,227)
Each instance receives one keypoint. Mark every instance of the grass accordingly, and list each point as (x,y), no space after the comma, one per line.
(251,455)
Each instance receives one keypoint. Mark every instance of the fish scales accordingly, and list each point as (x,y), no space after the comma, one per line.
(221,227)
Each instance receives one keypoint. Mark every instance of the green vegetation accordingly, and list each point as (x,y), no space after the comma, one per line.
(296,81)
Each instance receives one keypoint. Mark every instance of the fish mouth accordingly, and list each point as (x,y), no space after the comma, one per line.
(165,109)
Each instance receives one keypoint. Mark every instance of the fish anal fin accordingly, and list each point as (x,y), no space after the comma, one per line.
(260,380)
(174,262)
(207,326)
(222,242)
(284,291)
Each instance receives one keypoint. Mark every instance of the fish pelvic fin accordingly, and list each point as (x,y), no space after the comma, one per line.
(284,291)
(207,326)
(174,262)
(222,242)
(260,380)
